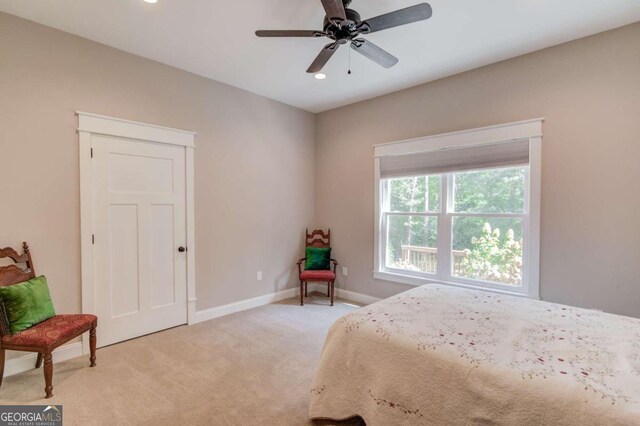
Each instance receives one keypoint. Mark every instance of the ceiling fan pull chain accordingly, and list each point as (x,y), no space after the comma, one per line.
(349,72)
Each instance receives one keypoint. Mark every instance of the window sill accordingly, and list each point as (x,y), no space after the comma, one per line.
(418,281)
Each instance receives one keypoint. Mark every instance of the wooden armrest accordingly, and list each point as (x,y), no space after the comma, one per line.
(300,264)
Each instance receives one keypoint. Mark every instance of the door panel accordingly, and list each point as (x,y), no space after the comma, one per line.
(124,259)
(139,222)
(137,173)
(162,255)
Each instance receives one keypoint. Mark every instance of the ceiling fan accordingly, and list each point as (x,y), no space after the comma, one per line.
(344,25)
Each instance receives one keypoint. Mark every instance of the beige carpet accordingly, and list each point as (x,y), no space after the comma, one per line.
(250,368)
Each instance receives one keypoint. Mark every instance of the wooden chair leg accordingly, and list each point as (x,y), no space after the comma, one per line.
(39,361)
(301,293)
(306,285)
(328,289)
(92,346)
(48,375)
(1,365)
(333,290)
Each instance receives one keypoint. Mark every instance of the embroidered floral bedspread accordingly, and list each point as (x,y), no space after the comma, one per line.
(441,355)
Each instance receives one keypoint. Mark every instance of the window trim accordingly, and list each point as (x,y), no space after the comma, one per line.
(530,130)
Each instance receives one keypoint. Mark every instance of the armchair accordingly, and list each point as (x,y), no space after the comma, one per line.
(319,239)
(46,336)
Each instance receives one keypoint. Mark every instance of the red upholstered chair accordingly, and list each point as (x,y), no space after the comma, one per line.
(317,238)
(42,338)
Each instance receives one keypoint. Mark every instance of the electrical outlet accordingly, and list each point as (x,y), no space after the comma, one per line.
(345,271)
(259,276)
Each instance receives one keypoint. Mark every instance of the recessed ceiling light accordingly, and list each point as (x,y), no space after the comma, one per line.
(151,1)
(320,76)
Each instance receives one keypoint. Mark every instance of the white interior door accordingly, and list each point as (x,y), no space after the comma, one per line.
(139,215)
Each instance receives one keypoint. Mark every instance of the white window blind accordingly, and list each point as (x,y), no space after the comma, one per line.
(447,160)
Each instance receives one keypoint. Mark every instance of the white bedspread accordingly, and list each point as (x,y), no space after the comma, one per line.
(442,355)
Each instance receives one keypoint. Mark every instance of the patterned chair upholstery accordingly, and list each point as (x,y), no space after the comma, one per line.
(42,338)
(317,238)
(49,333)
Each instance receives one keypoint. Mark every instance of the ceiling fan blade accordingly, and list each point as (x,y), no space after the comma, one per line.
(335,10)
(289,33)
(373,52)
(416,13)
(322,59)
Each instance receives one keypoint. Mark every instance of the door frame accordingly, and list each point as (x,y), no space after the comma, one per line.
(93,124)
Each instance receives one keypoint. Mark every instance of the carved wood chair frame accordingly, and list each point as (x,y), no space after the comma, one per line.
(11,275)
(317,238)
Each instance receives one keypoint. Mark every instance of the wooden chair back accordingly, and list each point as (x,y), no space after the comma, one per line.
(318,238)
(12,274)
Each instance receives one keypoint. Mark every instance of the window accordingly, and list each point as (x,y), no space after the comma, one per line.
(454,210)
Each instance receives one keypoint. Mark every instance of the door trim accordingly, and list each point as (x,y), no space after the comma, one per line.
(111,126)
(92,124)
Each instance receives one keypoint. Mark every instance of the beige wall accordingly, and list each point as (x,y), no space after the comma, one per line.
(589,92)
(254,160)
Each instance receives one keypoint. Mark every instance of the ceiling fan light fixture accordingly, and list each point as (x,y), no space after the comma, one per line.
(320,76)
(150,1)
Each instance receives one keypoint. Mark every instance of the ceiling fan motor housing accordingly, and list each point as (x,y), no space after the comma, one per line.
(347,29)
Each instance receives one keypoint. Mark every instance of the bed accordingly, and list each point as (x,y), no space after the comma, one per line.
(444,355)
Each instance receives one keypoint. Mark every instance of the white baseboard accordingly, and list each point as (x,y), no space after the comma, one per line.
(243,305)
(345,294)
(356,297)
(28,362)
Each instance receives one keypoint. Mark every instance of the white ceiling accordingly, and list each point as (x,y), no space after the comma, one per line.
(215,39)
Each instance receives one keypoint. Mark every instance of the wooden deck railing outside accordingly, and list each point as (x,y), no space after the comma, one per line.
(426,258)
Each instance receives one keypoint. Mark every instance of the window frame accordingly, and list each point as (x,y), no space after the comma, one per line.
(530,130)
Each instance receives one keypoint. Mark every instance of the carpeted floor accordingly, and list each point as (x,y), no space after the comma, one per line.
(250,368)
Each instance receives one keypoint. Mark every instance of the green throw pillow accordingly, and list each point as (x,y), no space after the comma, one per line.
(27,304)
(317,259)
